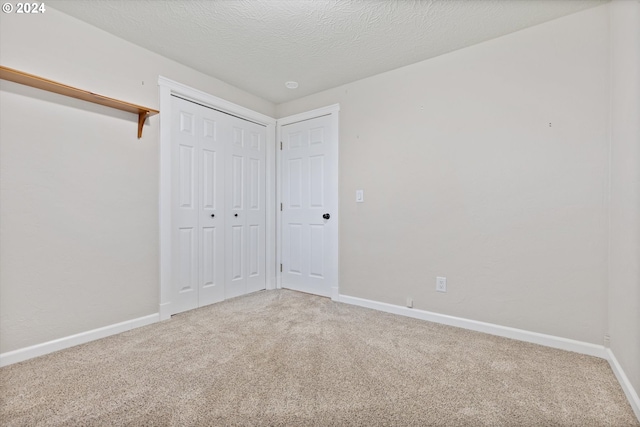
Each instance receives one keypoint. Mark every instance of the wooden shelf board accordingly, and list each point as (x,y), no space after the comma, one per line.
(27,79)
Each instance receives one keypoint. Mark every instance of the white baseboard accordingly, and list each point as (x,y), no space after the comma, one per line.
(26,353)
(271,284)
(335,294)
(629,391)
(488,328)
(165,311)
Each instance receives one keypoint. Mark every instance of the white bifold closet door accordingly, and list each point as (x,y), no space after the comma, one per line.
(218,206)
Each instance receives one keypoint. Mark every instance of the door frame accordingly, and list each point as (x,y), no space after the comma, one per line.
(168,88)
(330,110)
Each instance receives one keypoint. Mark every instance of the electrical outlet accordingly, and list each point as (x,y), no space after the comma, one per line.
(441,284)
(409,302)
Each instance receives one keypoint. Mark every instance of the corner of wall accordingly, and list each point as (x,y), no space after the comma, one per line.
(624,198)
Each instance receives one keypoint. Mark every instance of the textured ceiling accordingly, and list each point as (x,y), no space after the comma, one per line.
(257,45)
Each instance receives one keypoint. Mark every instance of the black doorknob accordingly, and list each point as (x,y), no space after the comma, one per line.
(213,215)
(326,216)
(235,214)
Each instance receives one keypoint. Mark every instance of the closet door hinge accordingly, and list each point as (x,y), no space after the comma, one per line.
(280,268)
(280,145)
(280,207)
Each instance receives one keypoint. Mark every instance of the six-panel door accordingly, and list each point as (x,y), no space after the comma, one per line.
(309,208)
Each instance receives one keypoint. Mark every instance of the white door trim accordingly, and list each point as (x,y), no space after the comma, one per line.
(167,89)
(319,112)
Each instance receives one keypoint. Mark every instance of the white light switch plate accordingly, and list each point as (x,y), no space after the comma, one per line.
(359,196)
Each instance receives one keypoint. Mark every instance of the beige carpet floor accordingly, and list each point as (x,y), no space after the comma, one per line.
(284,358)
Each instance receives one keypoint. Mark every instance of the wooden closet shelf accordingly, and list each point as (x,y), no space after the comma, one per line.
(16,76)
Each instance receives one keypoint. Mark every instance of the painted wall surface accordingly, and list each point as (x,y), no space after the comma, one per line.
(488,166)
(624,277)
(78,190)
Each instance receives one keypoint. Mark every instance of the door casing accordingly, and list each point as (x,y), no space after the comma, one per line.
(167,88)
(332,111)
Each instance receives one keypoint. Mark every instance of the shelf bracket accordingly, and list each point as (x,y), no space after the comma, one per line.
(142,117)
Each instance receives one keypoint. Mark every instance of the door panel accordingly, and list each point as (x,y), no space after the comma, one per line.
(209,181)
(237,253)
(210,202)
(246,213)
(309,159)
(184,233)
(254,184)
(316,249)
(235,282)
(294,266)
(188,271)
(255,214)
(237,181)
(295,183)
(185,173)
(254,251)
(316,181)
(209,249)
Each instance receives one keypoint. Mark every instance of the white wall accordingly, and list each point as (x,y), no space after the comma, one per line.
(78,190)
(624,275)
(465,178)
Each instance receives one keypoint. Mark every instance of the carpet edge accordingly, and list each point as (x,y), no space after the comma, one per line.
(26,353)
(488,328)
